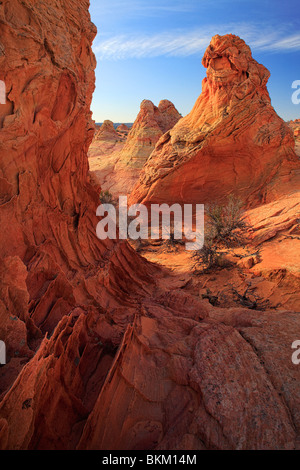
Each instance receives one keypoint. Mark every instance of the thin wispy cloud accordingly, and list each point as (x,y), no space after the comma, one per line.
(188,43)
(139,8)
(146,8)
(289,43)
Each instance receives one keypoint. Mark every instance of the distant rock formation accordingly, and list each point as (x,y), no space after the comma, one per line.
(120,169)
(107,132)
(123,128)
(232,141)
(151,123)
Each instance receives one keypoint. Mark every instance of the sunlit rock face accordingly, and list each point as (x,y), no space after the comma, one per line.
(295,126)
(232,141)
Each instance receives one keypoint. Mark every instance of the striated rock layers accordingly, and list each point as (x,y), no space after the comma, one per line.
(100,353)
(123,129)
(232,141)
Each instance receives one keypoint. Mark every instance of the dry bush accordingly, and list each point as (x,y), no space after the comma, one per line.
(207,257)
(106,198)
(226,224)
(225,228)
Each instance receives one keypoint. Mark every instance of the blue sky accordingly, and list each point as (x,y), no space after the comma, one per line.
(152,49)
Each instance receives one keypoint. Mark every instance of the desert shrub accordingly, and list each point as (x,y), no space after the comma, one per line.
(251,300)
(225,228)
(106,197)
(172,241)
(226,224)
(207,257)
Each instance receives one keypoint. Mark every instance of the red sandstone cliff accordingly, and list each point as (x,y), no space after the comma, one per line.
(101,354)
(232,141)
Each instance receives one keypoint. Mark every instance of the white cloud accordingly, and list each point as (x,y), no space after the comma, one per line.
(187,43)
(138,8)
(291,43)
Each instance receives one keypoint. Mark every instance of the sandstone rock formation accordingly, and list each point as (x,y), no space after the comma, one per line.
(107,132)
(151,123)
(51,262)
(231,140)
(196,366)
(119,169)
(102,353)
(104,151)
(123,128)
(294,124)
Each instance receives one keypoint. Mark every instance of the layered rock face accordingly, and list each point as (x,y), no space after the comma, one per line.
(123,129)
(232,141)
(295,126)
(47,204)
(102,352)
